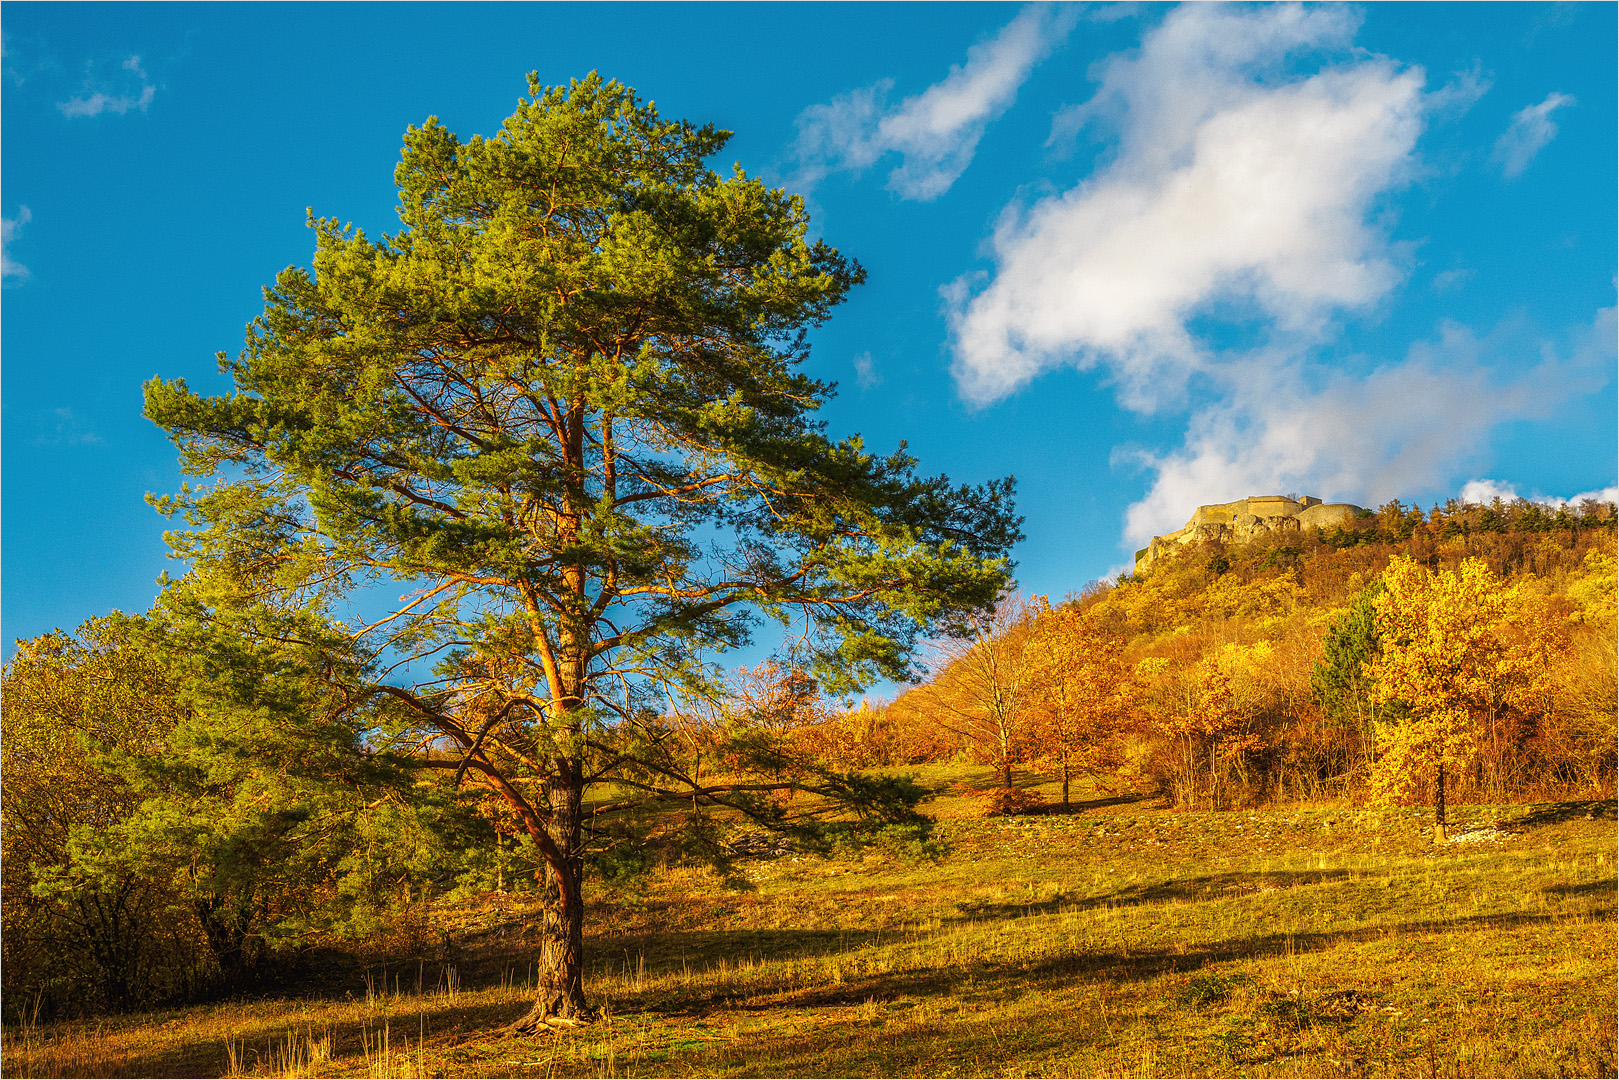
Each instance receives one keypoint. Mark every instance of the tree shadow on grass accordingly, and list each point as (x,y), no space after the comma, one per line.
(1590,888)
(1558,812)
(1203,887)
(1080,806)
(448,1023)
(701,950)
(995,980)
(829,1044)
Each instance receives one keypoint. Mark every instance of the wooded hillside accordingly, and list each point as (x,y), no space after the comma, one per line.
(1237,674)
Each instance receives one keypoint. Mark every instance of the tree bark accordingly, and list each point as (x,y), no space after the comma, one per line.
(1439,808)
(1065,781)
(559,1000)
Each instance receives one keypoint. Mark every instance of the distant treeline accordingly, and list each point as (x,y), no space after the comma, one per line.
(1396,523)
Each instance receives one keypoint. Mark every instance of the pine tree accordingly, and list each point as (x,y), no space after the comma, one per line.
(561,408)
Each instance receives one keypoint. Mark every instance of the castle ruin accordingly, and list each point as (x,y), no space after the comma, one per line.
(1243,520)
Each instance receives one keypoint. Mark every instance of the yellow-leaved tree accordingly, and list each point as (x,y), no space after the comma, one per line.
(1205,737)
(1457,648)
(1079,689)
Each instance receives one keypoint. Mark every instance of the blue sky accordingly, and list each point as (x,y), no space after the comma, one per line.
(1140,257)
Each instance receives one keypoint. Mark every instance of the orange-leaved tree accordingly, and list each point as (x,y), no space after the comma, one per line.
(874,734)
(1205,735)
(1081,693)
(980,690)
(1458,649)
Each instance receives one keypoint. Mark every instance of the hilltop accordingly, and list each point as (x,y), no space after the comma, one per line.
(1247,519)
(1264,619)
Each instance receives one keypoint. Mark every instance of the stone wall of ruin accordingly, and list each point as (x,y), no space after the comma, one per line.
(1243,520)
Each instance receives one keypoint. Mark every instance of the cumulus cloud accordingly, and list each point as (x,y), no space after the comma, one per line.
(9,227)
(1531,129)
(1237,215)
(1234,184)
(937,131)
(1605,495)
(1284,425)
(1485,492)
(97,100)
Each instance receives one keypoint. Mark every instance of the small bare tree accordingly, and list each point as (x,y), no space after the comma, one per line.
(980,689)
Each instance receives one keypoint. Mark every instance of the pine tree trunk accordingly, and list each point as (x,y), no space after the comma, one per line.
(560,992)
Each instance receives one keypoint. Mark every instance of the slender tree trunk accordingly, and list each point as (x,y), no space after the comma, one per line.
(560,992)
(1439,807)
(1065,781)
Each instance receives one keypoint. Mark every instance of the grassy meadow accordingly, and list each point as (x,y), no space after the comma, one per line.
(1119,939)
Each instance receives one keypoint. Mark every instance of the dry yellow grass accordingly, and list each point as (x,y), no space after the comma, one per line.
(1115,941)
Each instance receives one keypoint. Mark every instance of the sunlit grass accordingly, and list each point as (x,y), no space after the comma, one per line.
(1118,940)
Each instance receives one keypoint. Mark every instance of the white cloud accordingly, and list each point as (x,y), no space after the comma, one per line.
(1450,280)
(1531,129)
(1605,495)
(1460,94)
(1485,492)
(864,373)
(9,227)
(97,101)
(938,130)
(1242,210)
(63,427)
(1233,184)
(1246,193)
(840,134)
(1404,428)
